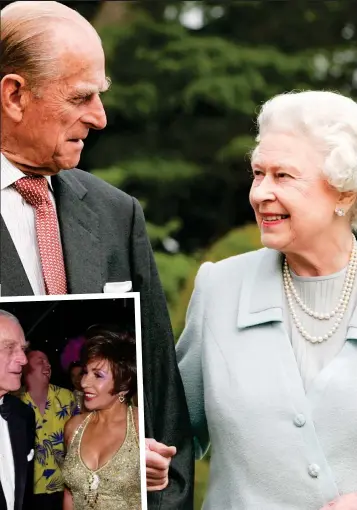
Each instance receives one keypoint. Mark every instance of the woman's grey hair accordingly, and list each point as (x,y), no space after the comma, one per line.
(28,45)
(8,315)
(329,120)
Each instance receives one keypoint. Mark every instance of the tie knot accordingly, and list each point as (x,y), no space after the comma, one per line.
(33,189)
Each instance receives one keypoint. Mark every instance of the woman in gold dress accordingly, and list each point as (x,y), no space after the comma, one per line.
(102,465)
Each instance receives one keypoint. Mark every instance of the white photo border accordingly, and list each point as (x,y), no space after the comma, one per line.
(139,361)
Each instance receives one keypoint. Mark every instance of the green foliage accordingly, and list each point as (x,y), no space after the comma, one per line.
(240,240)
(201,478)
(174,271)
(183,102)
(237,241)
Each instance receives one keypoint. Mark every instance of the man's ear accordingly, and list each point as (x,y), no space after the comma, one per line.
(13,96)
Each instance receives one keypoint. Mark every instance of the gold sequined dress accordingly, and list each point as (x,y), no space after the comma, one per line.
(114,486)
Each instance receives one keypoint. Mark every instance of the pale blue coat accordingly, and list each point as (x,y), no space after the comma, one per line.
(274,447)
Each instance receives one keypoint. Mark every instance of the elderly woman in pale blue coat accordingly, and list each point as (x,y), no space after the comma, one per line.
(268,356)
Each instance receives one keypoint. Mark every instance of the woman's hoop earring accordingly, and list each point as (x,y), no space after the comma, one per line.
(339,211)
(121,399)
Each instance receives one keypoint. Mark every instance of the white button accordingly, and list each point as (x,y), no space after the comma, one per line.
(299,420)
(314,470)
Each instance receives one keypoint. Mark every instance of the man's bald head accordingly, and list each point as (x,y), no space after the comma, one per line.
(34,34)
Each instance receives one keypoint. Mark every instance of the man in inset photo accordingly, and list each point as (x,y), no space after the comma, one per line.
(17,421)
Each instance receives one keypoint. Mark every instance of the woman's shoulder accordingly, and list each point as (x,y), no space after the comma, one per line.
(72,425)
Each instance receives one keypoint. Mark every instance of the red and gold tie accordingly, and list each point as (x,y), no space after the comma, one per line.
(35,191)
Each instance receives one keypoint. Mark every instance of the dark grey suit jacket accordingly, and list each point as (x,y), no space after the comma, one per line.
(22,431)
(104,239)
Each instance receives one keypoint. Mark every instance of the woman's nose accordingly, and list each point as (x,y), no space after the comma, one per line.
(264,191)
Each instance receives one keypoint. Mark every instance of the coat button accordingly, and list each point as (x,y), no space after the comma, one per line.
(314,470)
(299,420)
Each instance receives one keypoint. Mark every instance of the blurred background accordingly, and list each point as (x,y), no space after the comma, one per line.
(187,82)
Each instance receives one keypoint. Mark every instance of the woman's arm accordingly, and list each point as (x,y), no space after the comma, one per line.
(67,500)
(189,355)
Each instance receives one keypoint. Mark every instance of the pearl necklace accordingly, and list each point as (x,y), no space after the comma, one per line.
(338,311)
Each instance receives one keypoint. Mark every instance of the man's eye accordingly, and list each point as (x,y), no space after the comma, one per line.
(81,99)
(282,175)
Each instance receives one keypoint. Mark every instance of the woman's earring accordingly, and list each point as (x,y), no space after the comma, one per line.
(339,211)
(121,398)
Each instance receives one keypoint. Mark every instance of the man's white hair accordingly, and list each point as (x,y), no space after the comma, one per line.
(8,315)
(28,43)
(329,120)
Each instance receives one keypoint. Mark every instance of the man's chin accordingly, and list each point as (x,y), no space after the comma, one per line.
(68,162)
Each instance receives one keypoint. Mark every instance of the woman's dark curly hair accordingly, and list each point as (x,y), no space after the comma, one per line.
(118,347)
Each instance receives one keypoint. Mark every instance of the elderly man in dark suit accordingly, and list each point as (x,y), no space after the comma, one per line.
(17,421)
(65,231)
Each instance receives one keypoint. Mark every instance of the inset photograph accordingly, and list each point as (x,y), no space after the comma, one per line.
(71,402)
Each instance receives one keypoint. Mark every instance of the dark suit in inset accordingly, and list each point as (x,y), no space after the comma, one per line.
(22,431)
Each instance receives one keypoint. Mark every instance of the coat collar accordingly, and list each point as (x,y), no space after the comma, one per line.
(80,233)
(262,295)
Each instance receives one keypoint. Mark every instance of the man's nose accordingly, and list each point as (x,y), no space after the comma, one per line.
(22,358)
(95,118)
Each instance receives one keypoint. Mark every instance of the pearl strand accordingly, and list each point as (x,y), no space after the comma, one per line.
(339,310)
(345,294)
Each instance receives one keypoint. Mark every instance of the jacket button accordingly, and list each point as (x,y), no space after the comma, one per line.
(314,470)
(299,420)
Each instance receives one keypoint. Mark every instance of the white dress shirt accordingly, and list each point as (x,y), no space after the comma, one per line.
(19,218)
(7,470)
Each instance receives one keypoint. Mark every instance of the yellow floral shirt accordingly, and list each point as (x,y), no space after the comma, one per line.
(49,449)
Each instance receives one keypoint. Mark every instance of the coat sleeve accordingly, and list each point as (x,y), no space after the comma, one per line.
(189,355)
(166,413)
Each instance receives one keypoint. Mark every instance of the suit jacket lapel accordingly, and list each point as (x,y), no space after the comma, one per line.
(79,226)
(14,281)
(17,434)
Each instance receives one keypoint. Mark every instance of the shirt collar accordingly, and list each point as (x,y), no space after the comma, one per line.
(11,174)
(1,400)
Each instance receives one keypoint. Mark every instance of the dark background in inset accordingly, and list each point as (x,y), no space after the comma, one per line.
(48,325)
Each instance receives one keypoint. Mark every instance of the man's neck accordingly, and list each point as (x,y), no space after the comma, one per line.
(26,167)
(37,392)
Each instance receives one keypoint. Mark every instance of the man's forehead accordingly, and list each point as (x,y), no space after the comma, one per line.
(37,355)
(10,341)
(9,327)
